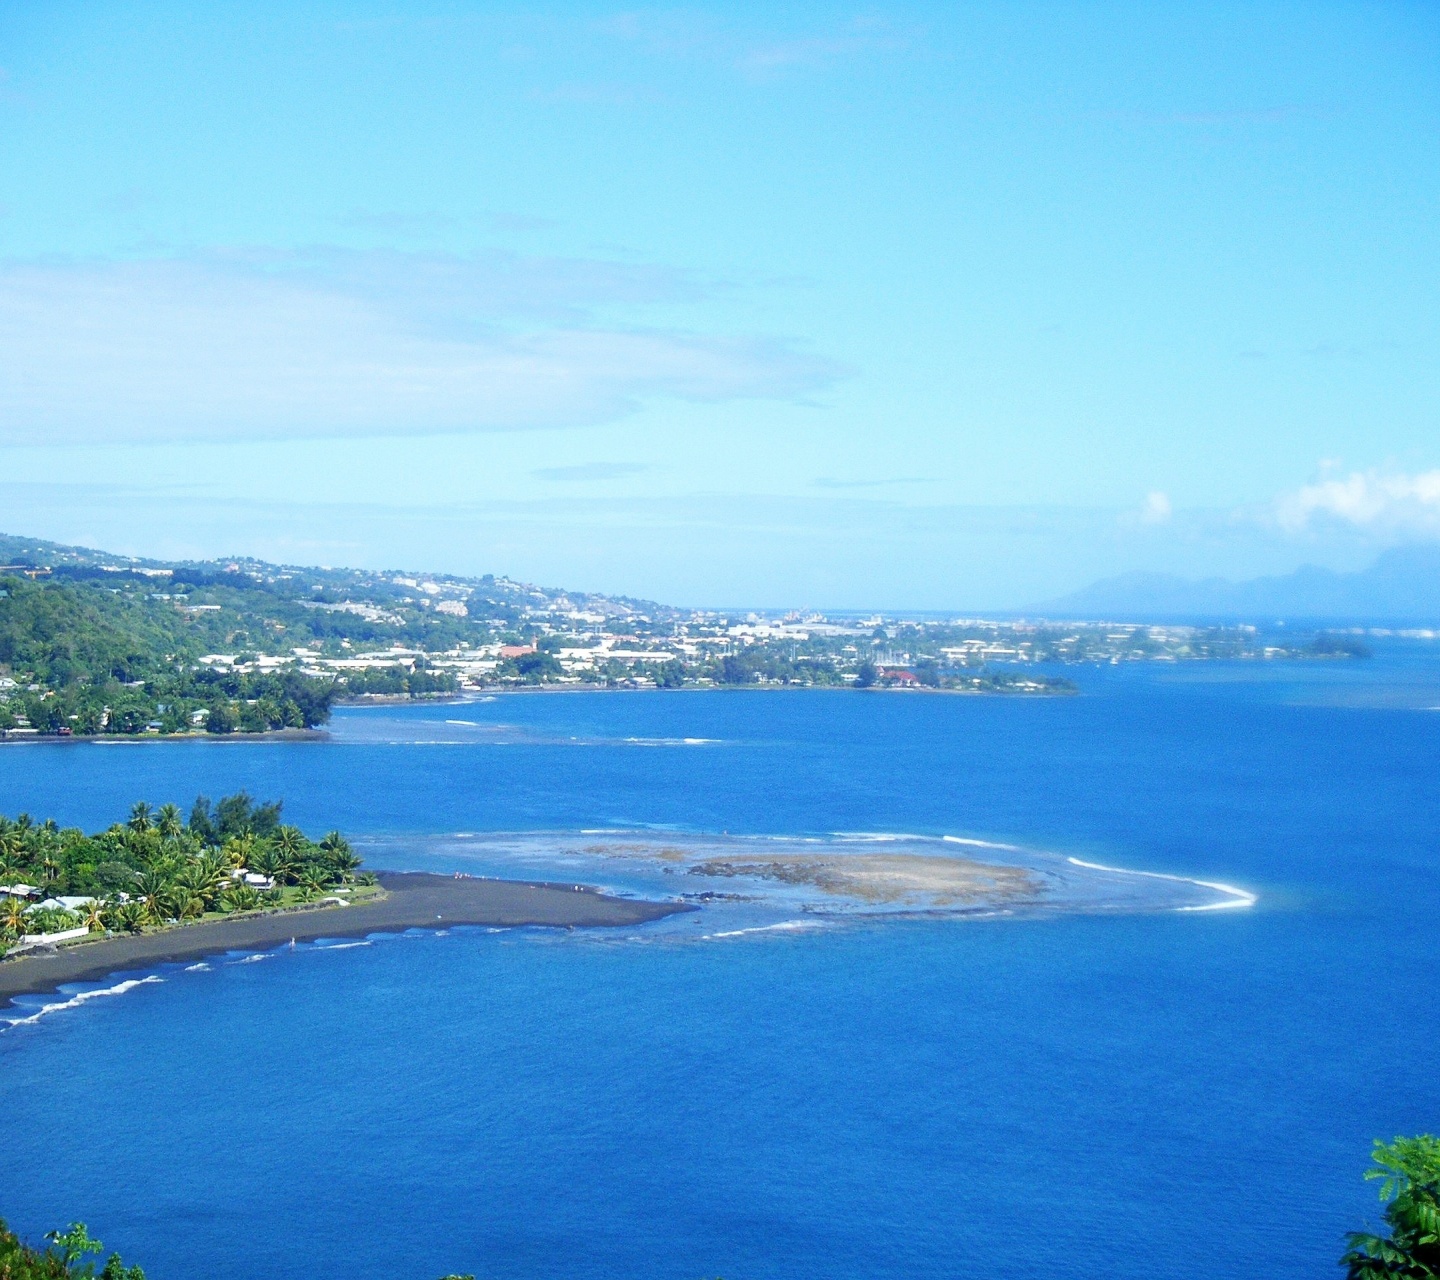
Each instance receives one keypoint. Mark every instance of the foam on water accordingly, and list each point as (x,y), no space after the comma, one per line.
(714,873)
(781,926)
(1234,897)
(80,999)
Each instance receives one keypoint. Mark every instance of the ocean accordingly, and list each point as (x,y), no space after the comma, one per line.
(1119,1090)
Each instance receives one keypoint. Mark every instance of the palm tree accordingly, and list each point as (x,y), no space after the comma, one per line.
(131,916)
(95,915)
(216,870)
(278,860)
(240,897)
(187,904)
(339,854)
(291,842)
(312,885)
(240,849)
(199,879)
(153,889)
(267,861)
(13,915)
(168,821)
(140,814)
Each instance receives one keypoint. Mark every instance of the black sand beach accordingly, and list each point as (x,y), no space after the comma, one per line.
(413,900)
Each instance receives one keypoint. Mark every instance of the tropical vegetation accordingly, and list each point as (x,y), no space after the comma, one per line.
(158,868)
(70,1253)
(1408,1170)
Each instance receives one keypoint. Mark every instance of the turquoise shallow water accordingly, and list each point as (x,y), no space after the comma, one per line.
(1155,1094)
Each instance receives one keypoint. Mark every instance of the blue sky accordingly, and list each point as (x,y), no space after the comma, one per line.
(904,306)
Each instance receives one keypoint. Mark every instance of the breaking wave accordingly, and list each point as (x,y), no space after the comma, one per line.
(83,997)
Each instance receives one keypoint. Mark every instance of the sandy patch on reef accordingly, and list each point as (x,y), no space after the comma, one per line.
(889,878)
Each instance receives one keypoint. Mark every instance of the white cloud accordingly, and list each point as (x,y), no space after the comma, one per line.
(1156,508)
(335,343)
(1366,500)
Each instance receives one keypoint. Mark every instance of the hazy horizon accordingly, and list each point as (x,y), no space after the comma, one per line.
(1137,587)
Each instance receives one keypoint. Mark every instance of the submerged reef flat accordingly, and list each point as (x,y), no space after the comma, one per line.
(885,878)
(758,879)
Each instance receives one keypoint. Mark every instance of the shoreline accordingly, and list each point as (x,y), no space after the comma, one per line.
(240,735)
(413,900)
(321,734)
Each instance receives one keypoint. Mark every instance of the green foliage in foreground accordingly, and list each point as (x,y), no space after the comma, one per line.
(157,868)
(70,1253)
(1408,1171)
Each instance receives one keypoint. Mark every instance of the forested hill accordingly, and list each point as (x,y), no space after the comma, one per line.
(293,595)
(81,658)
(93,642)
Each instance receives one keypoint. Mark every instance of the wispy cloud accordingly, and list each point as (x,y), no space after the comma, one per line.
(859,37)
(591,94)
(586,471)
(825,482)
(333,343)
(673,34)
(431,224)
(1370,500)
(1210,118)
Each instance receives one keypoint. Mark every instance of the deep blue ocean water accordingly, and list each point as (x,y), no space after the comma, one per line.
(1157,1095)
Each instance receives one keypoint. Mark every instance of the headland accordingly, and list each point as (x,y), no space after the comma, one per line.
(411,900)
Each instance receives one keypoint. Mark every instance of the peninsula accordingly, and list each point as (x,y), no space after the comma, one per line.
(407,900)
(154,889)
(98,644)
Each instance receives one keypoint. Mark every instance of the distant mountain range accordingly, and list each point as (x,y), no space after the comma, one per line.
(1401,587)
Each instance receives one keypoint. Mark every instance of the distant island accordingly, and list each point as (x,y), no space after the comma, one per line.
(97,644)
(1400,589)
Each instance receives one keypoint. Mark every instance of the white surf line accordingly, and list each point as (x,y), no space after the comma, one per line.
(1238,897)
(119,989)
(764,928)
(982,844)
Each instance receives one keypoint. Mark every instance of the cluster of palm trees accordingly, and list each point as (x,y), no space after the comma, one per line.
(155,870)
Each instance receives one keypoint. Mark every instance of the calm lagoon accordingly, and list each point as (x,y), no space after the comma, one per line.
(1134,1094)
